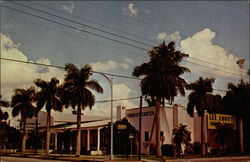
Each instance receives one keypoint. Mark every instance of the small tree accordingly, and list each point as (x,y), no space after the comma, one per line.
(181,135)
(122,130)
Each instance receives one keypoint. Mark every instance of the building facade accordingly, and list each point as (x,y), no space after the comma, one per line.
(170,117)
(96,141)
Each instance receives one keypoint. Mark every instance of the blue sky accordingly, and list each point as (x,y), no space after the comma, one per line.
(216,32)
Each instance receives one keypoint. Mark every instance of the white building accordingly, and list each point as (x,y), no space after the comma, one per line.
(93,138)
(170,117)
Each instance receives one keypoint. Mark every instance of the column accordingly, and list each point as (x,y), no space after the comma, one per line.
(175,116)
(55,141)
(88,140)
(197,127)
(98,139)
(205,126)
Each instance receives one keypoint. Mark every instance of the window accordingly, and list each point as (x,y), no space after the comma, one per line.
(161,133)
(146,136)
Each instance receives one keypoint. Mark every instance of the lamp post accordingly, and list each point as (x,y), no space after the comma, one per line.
(110,80)
(240,64)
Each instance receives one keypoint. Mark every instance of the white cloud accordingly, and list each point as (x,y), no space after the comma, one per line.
(120,91)
(111,64)
(69,8)
(123,91)
(21,75)
(200,46)
(169,37)
(132,10)
(124,66)
(128,61)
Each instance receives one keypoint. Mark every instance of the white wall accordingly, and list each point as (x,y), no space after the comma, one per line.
(166,124)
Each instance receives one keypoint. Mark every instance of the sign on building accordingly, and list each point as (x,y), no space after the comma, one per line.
(220,118)
(121,126)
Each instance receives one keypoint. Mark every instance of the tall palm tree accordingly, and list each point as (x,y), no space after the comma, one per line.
(181,135)
(77,92)
(22,104)
(162,79)
(48,96)
(237,103)
(4,104)
(201,99)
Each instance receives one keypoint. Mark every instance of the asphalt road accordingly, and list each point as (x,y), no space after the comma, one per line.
(16,159)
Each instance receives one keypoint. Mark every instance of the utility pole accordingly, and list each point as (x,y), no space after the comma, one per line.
(140,127)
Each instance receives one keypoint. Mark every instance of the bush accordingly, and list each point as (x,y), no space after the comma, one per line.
(167,150)
(196,148)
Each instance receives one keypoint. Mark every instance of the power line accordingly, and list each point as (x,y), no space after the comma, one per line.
(203,72)
(135,19)
(107,37)
(209,67)
(129,52)
(91,21)
(60,67)
(81,37)
(69,26)
(132,18)
(212,63)
(104,31)
(127,33)
(121,99)
(149,45)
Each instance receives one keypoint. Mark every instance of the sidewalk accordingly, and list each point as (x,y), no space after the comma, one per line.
(105,158)
(213,159)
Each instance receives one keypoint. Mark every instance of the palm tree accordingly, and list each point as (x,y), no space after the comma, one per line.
(77,92)
(22,104)
(237,103)
(48,96)
(3,114)
(162,79)
(181,135)
(201,99)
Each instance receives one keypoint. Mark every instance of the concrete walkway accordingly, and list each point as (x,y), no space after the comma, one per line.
(214,159)
(89,158)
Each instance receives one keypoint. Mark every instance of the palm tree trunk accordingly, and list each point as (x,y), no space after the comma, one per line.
(24,136)
(48,132)
(78,131)
(241,135)
(158,121)
(203,149)
(151,135)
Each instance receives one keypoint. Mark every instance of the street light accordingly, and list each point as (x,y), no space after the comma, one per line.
(110,80)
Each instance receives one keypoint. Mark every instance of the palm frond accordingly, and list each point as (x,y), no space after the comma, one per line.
(94,85)
(40,83)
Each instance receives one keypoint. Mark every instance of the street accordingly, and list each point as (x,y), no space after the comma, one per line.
(17,159)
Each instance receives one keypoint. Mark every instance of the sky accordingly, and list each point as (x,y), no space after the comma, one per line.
(115,36)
